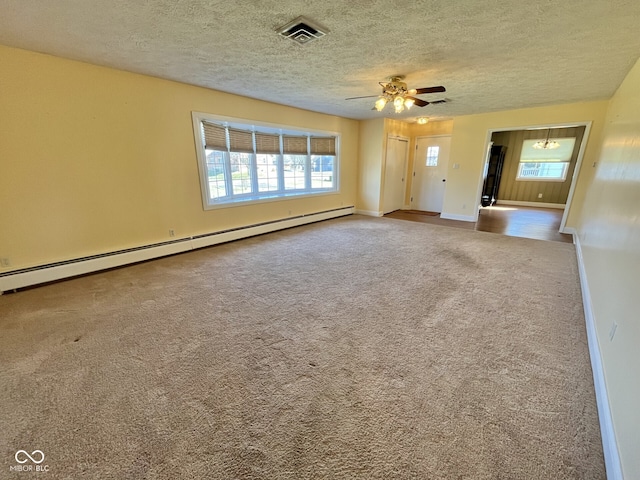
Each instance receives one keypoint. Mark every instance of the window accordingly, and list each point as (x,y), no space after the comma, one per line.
(432,156)
(243,163)
(548,165)
(543,171)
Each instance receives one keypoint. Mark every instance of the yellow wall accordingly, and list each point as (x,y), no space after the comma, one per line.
(94,160)
(469,143)
(442,127)
(397,128)
(370,172)
(374,134)
(609,235)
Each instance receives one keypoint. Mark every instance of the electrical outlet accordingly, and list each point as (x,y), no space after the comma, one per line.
(172,233)
(539,195)
(5,262)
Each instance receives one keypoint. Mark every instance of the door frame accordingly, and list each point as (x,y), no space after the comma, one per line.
(415,151)
(574,176)
(384,169)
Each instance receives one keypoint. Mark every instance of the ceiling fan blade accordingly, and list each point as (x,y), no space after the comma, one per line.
(437,89)
(367,96)
(419,102)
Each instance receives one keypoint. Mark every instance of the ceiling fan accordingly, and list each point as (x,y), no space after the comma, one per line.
(395,91)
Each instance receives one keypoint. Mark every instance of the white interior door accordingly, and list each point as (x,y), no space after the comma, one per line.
(430,173)
(394,174)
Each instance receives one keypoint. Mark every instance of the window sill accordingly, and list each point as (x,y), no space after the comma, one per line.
(242,202)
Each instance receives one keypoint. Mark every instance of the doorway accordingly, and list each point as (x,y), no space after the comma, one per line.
(430,173)
(394,174)
(532,178)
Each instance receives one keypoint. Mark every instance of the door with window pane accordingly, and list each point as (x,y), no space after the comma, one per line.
(430,173)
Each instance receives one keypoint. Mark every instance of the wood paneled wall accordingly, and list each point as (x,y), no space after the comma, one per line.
(527,191)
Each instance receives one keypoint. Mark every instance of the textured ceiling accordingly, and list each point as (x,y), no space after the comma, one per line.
(490,55)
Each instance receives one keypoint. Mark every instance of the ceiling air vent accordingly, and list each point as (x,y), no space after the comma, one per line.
(302,31)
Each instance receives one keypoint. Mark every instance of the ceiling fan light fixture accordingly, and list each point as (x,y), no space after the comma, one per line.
(380,104)
(398,104)
(395,91)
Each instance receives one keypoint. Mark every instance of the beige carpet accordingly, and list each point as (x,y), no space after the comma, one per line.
(360,347)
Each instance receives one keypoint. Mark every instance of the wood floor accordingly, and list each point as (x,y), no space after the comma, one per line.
(527,222)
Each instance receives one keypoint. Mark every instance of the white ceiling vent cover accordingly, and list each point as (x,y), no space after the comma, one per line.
(302,30)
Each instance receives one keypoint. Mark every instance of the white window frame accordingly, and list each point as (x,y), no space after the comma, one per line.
(256,196)
(565,169)
(540,158)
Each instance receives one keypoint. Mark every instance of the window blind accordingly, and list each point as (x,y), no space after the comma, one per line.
(561,154)
(266,143)
(294,145)
(215,137)
(240,141)
(323,145)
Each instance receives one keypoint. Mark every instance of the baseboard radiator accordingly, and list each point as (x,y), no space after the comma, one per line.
(16,279)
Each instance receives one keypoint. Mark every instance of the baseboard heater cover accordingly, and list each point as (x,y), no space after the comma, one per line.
(26,277)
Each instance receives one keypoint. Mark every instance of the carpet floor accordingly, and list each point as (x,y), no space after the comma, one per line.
(358,347)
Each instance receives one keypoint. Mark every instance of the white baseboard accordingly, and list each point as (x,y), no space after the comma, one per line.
(609,444)
(370,213)
(570,231)
(71,268)
(463,218)
(517,203)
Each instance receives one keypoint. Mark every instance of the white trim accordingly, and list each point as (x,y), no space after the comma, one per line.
(570,231)
(49,273)
(576,173)
(370,213)
(517,203)
(609,444)
(463,218)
